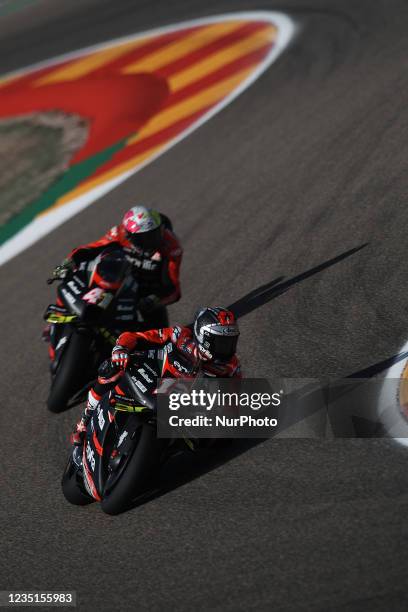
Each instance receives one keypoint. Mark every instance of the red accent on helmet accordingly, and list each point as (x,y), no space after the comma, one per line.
(130,224)
(226,317)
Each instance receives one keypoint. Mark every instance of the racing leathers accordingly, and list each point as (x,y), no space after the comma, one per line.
(183,341)
(157,272)
(111,370)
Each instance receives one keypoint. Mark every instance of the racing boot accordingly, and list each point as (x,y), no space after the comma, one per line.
(79,432)
(108,375)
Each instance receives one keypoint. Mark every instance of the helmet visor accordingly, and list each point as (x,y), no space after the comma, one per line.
(148,241)
(221,347)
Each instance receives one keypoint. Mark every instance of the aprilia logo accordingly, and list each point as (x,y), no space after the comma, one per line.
(74,288)
(101,420)
(122,437)
(145,375)
(180,367)
(90,457)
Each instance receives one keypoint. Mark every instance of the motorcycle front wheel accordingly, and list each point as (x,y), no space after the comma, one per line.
(138,474)
(71,373)
(71,488)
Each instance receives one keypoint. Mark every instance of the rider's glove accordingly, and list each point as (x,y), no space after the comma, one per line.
(148,303)
(62,270)
(120,357)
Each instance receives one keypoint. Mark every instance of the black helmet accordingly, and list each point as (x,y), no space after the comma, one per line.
(216,333)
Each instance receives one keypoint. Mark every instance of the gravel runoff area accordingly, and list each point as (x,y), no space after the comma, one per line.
(34,151)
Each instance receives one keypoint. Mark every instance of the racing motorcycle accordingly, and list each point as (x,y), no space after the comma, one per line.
(121,454)
(96,302)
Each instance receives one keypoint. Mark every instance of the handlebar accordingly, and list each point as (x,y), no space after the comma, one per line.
(61,271)
(140,354)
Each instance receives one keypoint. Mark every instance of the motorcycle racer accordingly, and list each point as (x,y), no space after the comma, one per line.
(149,243)
(209,344)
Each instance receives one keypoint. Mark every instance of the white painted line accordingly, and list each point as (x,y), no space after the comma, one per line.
(41,226)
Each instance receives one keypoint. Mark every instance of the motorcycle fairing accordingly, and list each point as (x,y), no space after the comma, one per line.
(60,336)
(94,461)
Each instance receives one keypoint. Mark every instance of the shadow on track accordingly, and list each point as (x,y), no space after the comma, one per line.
(264,294)
(188,466)
(380,366)
(346,425)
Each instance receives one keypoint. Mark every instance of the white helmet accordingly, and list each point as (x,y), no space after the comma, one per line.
(144,227)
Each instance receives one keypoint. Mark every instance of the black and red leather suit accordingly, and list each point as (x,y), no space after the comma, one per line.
(182,340)
(158,272)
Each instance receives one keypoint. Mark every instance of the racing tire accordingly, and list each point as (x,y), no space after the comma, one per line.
(70,373)
(139,474)
(71,489)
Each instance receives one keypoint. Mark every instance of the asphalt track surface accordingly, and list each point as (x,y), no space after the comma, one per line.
(309,162)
